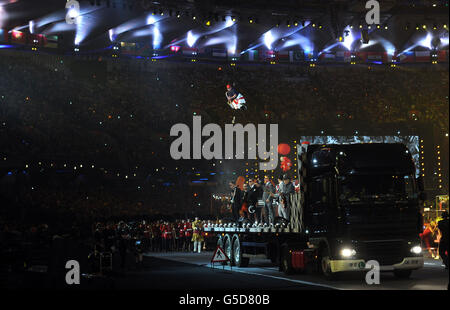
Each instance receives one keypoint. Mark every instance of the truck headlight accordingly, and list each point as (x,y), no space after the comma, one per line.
(347,252)
(416,249)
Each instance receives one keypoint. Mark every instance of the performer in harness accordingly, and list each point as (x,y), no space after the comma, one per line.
(235,100)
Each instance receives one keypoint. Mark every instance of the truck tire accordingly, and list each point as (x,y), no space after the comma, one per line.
(325,266)
(237,254)
(286,261)
(273,254)
(220,241)
(402,274)
(228,248)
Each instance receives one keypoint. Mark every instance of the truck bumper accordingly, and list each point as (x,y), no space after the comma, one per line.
(360,265)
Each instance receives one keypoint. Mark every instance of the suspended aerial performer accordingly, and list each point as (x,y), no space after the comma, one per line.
(235,100)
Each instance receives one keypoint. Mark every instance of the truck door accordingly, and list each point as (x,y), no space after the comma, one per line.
(318,205)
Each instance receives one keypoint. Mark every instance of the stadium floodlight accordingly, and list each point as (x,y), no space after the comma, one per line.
(348,38)
(426,42)
(268,39)
(30,26)
(191,38)
(73,13)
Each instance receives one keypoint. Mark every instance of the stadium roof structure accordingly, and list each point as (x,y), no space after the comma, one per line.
(236,26)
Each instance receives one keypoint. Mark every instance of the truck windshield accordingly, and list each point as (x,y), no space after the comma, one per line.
(359,187)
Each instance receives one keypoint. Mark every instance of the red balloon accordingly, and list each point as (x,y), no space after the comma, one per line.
(286,164)
(284,149)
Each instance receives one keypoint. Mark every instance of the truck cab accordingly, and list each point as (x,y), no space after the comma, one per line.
(360,203)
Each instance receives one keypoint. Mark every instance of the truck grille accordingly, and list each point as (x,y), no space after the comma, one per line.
(384,252)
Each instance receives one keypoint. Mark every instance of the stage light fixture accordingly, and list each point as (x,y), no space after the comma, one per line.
(178,14)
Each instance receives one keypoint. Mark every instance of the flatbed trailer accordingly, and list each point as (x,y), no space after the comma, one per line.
(341,230)
(275,243)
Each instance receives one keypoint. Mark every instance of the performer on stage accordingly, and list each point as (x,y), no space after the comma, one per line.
(197,236)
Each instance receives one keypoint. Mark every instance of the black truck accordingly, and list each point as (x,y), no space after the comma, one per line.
(357,203)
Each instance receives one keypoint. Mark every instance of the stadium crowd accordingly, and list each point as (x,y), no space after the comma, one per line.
(116,115)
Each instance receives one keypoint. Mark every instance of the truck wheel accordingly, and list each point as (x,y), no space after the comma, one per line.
(286,262)
(273,254)
(402,274)
(237,254)
(228,248)
(325,265)
(220,242)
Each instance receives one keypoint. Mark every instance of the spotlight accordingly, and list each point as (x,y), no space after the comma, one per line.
(386,27)
(208,23)
(360,26)
(417,27)
(295,23)
(445,26)
(314,25)
(320,26)
(194,17)
(154,12)
(288,24)
(161,12)
(178,14)
(378,26)
(434,27)
(233,18)
(250,20)
(424,26)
